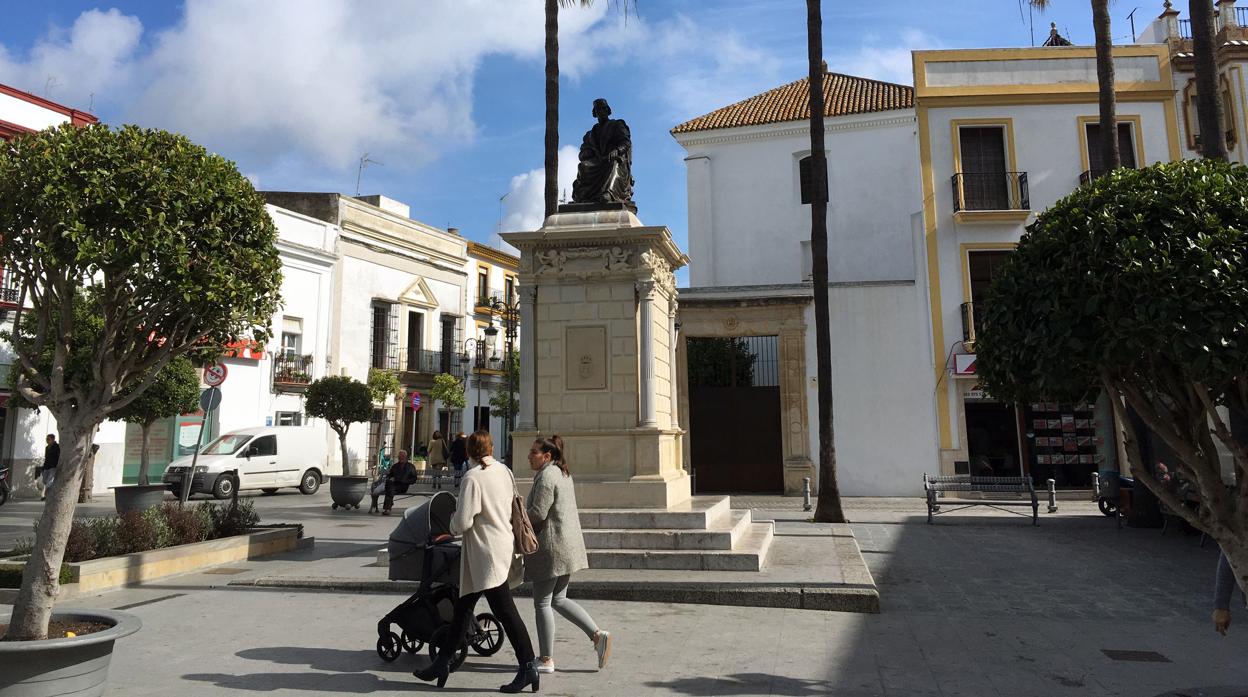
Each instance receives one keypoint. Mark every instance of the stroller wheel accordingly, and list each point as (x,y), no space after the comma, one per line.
(388,646)
(488,636)
(1108,508)
(410,643)
(435,641)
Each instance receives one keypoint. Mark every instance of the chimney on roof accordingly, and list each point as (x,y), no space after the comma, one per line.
(387,204)
(825,67)
(453,231)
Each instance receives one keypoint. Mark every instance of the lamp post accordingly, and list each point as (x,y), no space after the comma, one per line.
(471,345)
(508,309)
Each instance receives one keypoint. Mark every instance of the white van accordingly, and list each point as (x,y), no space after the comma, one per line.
(255,458)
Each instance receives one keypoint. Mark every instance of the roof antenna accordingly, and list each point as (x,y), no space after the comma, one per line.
(364,161)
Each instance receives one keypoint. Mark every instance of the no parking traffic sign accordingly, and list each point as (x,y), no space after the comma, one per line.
(416,402)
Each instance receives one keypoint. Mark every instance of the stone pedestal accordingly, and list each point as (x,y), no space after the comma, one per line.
(597,295)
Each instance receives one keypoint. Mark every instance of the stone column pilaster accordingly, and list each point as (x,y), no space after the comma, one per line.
(646,291)
(671,363)
(527,420)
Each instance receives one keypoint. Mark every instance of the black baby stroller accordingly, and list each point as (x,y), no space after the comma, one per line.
(424,618)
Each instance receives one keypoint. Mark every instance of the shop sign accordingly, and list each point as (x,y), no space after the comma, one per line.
(964,364)
(976,392)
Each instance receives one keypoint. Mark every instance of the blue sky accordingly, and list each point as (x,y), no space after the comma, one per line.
(447,95)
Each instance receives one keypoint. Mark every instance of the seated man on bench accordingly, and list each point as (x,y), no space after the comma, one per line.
(401,475)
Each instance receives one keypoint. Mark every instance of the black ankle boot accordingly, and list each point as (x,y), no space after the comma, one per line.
(438,670)
(525,677)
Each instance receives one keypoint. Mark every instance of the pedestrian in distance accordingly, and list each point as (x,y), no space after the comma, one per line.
(483,517)
(400,476)
(51,458)
(560,552)
(1223,589)
(459,456)
(438,452)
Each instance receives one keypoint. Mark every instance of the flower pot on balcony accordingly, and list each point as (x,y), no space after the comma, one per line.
(347,490)
(138,497)
(62,666)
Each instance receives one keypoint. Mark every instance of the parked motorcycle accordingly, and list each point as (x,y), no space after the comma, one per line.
(4,485)
(1108,487)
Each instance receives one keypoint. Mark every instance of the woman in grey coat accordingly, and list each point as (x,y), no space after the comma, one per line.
(560,552)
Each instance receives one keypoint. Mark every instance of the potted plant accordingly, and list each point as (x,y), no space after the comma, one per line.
(175,391)
(173,254)
(342,401)
(82,660)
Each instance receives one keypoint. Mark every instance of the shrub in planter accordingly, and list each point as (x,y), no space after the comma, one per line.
(80,546)
(188,525)
(234,519)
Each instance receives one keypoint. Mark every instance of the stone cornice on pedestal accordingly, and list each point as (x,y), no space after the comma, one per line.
(598,243)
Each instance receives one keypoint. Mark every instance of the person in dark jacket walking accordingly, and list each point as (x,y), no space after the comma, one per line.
(51,458)
(459,456)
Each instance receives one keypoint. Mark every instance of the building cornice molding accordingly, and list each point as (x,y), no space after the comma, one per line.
(492,254)
(793,131)
(371,243)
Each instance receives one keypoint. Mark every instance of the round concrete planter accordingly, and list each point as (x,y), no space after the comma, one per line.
(347,490)
(77,666)
(136,497)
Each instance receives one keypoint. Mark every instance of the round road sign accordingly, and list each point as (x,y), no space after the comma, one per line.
(416,402)
(210,399)
(214,374)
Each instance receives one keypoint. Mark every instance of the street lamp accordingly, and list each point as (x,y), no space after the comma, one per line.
(470,347)
(508,309)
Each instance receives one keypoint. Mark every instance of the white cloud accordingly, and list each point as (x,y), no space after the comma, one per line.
(524,208)
(883,58)
(92,57)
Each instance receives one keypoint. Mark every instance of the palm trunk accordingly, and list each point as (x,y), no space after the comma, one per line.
(144,460)
(552,107)
(1208,98)
(41,578)
(829,508)
(1105,78)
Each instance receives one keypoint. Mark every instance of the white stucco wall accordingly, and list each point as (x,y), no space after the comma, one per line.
(747,224)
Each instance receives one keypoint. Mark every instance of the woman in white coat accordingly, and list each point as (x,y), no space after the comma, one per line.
(483,517)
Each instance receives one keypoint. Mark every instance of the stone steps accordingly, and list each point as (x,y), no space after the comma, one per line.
(699,513)
(722,534)
(748,554)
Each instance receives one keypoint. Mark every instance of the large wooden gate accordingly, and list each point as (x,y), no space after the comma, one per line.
(734,410)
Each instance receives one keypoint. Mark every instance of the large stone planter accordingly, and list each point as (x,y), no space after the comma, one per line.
(347,490)
(138,497)
(77,666)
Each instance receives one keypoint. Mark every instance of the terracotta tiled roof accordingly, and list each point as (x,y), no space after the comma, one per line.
(843,95)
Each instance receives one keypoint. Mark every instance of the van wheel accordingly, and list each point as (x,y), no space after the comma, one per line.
(310,483)
(224,487)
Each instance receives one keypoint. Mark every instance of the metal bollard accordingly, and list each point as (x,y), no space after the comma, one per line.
(1052,496)
(805,493)
(1096,486)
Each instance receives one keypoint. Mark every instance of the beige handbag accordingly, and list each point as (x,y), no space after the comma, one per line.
(521,526)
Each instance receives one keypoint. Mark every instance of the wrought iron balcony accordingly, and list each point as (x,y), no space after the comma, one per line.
(496,300)
(485,357)
(990,191)
(291,372)
(426,362)
(10,288)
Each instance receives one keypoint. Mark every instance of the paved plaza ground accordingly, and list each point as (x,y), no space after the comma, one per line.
(979,604)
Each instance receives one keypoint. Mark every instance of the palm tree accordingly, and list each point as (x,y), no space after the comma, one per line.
(1208,99)
(829,508)
(552,97)
(1110,157)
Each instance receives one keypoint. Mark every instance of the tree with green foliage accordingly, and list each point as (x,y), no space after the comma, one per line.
(503,402)
(341,401)
(175,391)
(131,247)
(1137,285)
(448,390)
(382,384)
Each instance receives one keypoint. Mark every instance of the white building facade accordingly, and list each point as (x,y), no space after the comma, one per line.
(751,300)
(493,331)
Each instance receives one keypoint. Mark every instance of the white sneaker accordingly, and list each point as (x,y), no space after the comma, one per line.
(545,667)
(603,646)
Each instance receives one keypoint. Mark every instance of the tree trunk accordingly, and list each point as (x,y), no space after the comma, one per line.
(829,507)
(41,578)
(552,107)
(1105,78)
(143,455)
(342,443)
(1208,97)
(88,475)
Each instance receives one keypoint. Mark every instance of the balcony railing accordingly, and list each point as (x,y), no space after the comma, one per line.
(10,288)
(291,371)
(487,357)
(426,362)
(992,191)
(493,297)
